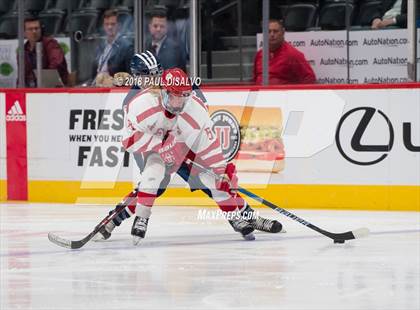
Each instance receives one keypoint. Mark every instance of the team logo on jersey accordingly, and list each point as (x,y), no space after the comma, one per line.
(227,130)
(15,113)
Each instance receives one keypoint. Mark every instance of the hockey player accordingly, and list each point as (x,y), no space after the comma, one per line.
(166,147)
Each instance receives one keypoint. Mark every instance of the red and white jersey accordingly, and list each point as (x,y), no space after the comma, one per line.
(147,122)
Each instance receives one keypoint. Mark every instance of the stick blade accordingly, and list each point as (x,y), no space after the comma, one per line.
(349,235)
(59,241)
(361,232)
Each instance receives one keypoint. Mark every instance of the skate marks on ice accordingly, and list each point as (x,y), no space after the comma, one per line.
(121,241)
(221,238)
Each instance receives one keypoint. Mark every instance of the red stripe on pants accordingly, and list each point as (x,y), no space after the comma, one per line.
(228,205)
(146,199)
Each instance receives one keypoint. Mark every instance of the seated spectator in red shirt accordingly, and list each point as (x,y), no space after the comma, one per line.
(286,64)
(52,54)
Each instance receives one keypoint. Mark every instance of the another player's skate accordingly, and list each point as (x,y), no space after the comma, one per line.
(260,223)
(243,227)
(105,232)
(138,231)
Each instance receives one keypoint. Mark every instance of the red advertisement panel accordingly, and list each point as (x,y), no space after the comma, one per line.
(17,162)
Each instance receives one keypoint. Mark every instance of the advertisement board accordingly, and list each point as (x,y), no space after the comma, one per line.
(331,140)
(375,56)
(3,170)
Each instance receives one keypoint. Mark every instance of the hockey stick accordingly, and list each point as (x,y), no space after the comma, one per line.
(79,243)
(337,237)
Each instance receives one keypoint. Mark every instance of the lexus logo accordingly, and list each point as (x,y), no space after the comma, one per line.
(356,144)
(362,128)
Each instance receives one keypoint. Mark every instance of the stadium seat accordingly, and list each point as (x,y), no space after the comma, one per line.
(170,3)
(333,15)
(83,20)
(96,4)
(367,10)
(324,2)
(125,19)
(151,9)
(52,20)
(282,9)
(314,2)
(34,5)
(127,3)
(182,11)
(278,8)
(299,17)
(9,25)
(6,6)
(62,5)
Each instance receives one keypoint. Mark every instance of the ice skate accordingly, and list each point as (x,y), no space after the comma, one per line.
(243,227)
(260,223)
(105,232)
(138,231)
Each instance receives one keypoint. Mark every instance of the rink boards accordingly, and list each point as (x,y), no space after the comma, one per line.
(347,147)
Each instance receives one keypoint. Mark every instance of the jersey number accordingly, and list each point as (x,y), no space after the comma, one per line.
(209,133)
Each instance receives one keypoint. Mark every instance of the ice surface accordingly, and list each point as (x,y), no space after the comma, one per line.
(189,263)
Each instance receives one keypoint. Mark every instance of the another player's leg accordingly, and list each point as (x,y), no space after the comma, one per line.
(106,231)
(228,181)
(246,212)
(225,203)
(228,204)
(258,222)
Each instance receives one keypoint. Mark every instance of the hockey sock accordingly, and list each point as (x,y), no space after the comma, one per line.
(128,210)
(146,199)
(227,205)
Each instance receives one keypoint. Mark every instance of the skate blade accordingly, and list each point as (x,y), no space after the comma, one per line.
(137,241)
(249,237)
(98,238)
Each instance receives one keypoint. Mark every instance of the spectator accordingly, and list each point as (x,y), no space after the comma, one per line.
(52,54)
(392,13)
(167,50)
(113,55)
(286,64)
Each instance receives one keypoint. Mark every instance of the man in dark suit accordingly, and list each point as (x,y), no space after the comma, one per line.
(392,13)
(113,55)
(166,49)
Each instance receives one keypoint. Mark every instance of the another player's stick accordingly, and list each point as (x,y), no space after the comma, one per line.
(79,243)
(337,237)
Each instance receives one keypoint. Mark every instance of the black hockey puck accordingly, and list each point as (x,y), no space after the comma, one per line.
(338,241)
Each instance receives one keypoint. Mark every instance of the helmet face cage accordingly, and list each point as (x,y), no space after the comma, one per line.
(176,90)
(181,100)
